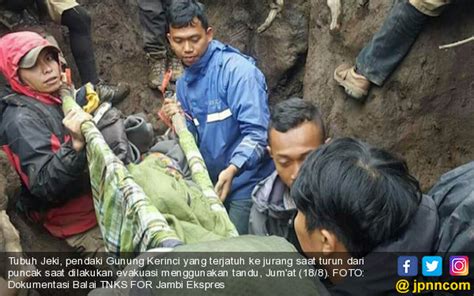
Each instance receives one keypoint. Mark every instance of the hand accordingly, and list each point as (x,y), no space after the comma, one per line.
(224,181)
(73,121)
(171,107)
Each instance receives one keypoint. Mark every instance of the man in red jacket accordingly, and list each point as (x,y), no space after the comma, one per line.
(43,145)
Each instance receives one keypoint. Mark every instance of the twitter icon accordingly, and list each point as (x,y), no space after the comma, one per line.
(432,266)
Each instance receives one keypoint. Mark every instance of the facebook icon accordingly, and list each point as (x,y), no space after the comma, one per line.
(407,266)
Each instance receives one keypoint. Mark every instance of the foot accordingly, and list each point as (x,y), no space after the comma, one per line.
(177,66)
(157,71)
(355,85)
(112,93)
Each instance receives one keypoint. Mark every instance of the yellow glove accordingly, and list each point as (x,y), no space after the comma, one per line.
(92,98)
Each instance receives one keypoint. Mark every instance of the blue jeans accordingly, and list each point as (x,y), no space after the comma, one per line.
(239,212)
(379,58)
(154,25)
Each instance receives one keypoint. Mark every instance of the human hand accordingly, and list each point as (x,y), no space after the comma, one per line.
(73,121)
(224,181)
(171,107)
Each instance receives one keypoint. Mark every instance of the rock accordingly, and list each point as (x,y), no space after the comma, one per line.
(10,236)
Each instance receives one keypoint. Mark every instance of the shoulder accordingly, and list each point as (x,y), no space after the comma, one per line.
(240,65)
(16,113)
(236,63)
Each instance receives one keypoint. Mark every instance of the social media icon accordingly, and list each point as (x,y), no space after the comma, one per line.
(407,266)
(459,265)
(432,266)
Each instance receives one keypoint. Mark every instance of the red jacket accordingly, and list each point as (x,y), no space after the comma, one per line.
(39,147)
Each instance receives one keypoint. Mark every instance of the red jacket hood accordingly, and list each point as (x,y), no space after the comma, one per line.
(13,47)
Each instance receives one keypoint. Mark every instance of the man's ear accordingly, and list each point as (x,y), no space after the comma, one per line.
(329,242)
(210,33)
(168,35)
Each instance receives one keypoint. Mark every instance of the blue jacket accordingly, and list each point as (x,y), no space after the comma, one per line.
(225,97)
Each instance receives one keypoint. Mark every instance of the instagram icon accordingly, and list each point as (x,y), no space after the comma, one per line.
(458,265)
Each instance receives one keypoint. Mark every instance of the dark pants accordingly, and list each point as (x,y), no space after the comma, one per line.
(78,21)
(379,58)
(153,21)
(239,213)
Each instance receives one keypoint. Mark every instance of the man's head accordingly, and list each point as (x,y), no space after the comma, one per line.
(189,31)
(30,63)
(296,128)
(40,69)
(352,197)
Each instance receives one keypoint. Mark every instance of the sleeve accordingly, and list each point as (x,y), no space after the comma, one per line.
(248,101)
(49,172)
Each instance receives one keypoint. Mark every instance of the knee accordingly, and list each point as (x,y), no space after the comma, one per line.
(430,7)
(77,19)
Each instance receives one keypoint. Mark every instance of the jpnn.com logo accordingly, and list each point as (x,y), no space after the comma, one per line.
(431,266)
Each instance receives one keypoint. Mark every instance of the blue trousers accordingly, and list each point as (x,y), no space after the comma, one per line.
(379,58)
(239,213)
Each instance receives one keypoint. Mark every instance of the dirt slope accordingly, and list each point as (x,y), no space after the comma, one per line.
(424,111)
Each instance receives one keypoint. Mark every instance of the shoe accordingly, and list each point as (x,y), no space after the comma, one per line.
(177,66)
(157,71)
(355,85)
(112,93)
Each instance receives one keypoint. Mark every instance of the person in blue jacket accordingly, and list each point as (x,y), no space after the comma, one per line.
(224,97)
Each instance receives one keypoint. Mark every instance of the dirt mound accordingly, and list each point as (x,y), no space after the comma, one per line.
(424,111)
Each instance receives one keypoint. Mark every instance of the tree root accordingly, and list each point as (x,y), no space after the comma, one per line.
(451,45)
(335,7)
(276,7)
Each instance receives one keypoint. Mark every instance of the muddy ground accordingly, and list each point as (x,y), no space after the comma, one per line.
(425,111)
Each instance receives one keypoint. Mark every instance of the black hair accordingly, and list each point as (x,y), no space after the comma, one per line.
(362,194)
(181,13)
(290,113)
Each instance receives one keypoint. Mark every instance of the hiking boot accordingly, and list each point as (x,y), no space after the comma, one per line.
(355,85)
(157,71)
(177,67)
(112,93)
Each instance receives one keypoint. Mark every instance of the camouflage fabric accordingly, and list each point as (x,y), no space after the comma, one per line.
(163,210)
(193,216)
(126,217)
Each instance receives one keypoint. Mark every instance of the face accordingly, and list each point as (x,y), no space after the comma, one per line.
(45,75)
(289,150)
(190,43)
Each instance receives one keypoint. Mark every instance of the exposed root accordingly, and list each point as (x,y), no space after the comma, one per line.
(276,7)
(11,237)
(335,7)
(457,43)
